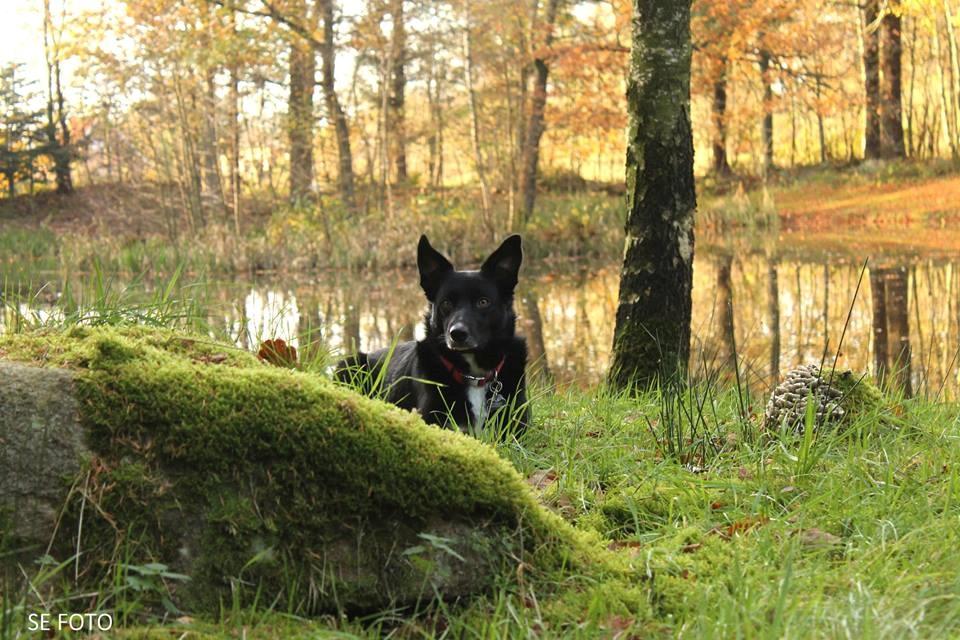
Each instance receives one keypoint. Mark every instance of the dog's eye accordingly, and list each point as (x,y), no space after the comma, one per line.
(483,302)
(446,306)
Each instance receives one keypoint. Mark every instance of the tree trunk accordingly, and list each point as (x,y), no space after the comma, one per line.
(652,334)
(530,154)
(300,126)
(721,166)
(209,154)
(871,80)
(946,102)
(303,68)
(398,83)
(475,120)
(891,139)
(821,132)
(766,135)
(954,63)
(234,117)
(335,111)
(533,330)
(60,149)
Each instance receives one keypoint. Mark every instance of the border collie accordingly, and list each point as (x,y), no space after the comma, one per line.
(469,369)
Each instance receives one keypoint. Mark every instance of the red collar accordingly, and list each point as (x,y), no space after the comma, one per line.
(460,377)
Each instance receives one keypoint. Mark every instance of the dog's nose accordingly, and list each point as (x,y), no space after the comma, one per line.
(459,333)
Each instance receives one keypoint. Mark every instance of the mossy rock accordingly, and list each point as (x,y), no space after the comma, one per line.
(253,479)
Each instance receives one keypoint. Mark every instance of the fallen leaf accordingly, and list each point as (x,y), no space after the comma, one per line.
(624,544)
(617,625)
(814,537)
(744,474)
(278,353)
(740,526)
(542,479)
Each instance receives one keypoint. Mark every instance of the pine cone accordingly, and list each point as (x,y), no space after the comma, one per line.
(788,402)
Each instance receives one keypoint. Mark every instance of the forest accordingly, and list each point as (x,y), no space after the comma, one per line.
(218,111)
(479,319)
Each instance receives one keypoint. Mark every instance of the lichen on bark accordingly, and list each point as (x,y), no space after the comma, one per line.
(652,334)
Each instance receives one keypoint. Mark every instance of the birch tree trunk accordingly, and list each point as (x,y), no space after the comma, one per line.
(652,334)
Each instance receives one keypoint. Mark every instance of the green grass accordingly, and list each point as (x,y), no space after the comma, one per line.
(726,530)
(860,543)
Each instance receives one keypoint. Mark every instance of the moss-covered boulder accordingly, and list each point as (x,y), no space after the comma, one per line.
(138,446)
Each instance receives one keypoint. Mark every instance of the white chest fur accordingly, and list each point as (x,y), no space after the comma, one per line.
(477,402)
(476,396)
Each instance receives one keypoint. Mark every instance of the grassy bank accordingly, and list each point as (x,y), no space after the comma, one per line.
(852,535)
(722,529)
(128,230)
(304,238)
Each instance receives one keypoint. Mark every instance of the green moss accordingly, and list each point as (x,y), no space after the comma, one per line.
(862,398)
(260,476)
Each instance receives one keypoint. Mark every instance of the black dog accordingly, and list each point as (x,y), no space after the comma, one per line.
(470,367)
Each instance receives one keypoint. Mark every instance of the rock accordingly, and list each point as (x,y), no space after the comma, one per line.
(249,478)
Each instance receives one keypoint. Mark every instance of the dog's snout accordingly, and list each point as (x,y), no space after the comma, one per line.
(459,333)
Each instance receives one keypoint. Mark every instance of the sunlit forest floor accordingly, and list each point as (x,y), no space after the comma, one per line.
(138,230)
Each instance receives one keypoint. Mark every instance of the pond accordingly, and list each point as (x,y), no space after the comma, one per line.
(773,300)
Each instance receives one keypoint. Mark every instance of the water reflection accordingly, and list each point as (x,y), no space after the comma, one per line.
(771,310)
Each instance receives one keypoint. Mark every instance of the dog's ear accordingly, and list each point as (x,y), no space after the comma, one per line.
(503,265)
(432,265)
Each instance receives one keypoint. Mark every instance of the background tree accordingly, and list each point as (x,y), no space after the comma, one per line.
(303,70)
(530,152)
(58,132)
(652,334)
(21,128)
(871,77)
(891,140)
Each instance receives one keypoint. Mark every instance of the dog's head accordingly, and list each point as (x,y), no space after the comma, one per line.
(469,309)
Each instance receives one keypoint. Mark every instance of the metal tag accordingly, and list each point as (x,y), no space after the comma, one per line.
(495,401)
